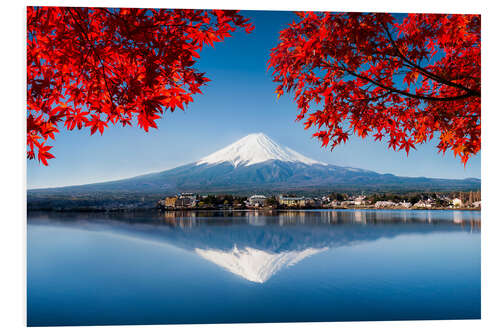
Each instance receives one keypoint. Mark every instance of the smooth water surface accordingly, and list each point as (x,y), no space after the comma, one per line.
(228,267)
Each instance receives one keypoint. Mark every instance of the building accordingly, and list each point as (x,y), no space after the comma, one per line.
(186,200)
(333,203)
(292,201)
(422,204)
(360,201)
(257,200)
(405,204)
(313,202)
(189,195)
(169,202)
(384,204)
(183,200)
(457,202)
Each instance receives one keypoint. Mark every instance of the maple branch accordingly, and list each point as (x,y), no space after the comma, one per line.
(83,62)
(137,28)
(395,90)
(372,98)
(425,72)
(94,51)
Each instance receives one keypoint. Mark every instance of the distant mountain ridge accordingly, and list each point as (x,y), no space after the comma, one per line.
(257,163)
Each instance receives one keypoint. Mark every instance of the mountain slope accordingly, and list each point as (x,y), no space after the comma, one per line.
(254,149)
(256,163)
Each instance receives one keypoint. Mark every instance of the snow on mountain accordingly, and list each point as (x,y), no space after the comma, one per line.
(253,264)
(254,164)
(253,149)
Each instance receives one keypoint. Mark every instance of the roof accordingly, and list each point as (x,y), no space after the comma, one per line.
(258,196)
(292,198)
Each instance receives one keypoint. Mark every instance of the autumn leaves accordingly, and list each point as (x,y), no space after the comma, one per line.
(89,67)
(404,80)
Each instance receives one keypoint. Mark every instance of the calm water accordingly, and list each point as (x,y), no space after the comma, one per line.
(199,267)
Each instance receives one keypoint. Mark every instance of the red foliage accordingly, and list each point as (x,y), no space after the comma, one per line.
(371,74)
(88,67)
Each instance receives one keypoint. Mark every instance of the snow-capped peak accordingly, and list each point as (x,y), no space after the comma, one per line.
(253,149)
(253,264)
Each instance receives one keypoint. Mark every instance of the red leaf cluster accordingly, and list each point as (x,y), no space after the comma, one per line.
(405,80)
(88,67)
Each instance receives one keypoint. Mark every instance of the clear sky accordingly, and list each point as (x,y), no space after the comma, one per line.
(238,101)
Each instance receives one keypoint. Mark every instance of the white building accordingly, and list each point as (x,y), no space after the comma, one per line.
(422,204)
(405,204)
(333,203)
(456,202)
(382,204)
(257,200)
(186,199)
(360,201)
(292,201)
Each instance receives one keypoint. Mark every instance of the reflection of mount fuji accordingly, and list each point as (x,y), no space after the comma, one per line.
(256,246)
(253,264)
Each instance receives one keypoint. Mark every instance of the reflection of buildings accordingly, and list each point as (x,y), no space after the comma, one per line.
(301,217)
(429,217)
(475,224)
(359,217)
(254,218)
(457,216)
(292,217)
(185,220)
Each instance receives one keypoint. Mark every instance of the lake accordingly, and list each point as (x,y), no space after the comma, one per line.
(253,266)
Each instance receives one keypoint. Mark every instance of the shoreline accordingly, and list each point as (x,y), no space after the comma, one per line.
(188,209)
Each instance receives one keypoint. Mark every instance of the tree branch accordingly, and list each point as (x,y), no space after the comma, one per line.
(425,72)
(94,51)
(402,92)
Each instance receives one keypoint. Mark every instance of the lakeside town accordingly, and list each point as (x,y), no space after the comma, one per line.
(452,200)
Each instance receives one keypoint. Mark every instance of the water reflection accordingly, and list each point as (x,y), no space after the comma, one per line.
(256,245)
(186,218)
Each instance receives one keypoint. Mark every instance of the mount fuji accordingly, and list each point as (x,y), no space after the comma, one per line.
(257,163)
(255,149)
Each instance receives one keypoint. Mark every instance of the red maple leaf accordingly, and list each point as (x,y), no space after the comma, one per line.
(401,80)
(114,63)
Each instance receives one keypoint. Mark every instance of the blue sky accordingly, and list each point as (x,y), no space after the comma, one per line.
(239,100)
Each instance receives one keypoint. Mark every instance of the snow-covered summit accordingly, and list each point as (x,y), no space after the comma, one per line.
(253,264)
(253,149)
